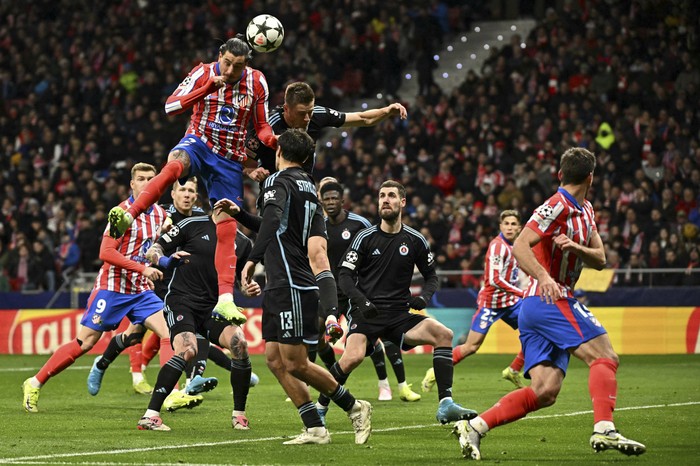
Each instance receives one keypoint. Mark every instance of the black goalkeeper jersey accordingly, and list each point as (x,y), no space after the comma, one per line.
(197,281)
(340,236)
(382,265)
(322,117)
(284,234)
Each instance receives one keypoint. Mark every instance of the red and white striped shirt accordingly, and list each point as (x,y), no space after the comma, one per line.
(220,118)
(561,214)
(500,276)
(126,277)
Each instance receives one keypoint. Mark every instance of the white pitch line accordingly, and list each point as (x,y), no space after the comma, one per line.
(34,459)
(36,369)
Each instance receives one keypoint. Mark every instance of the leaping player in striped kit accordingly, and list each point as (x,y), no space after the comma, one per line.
(223,95)
(499,298)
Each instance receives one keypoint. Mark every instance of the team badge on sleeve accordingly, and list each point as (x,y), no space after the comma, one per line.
(350,260)
(545,214)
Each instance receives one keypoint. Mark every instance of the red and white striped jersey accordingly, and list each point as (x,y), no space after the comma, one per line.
(220,119)
(500,276)
(561,214)
(132,245)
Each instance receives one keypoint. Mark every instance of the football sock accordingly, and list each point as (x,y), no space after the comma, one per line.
(219,357)
(379,361)
(602,386)
(135,357)
(64,356)
(327,355)
(343,398)
(155,188)
(442,364)
(309,415)
(518,362)
(394,354)
(198,364)
(340,377)
(167,378)
(511,407)
(456,355)
(150,348)
(114,348)
(328,292)
(240,382)
(225,254)
(311,352)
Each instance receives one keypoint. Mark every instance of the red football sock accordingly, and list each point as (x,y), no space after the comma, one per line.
(156,187)
(456,355)
(511,407)
(150,349)
(602,385)
(225,254)
(135,357)
(518,362)
(64,356)
(166,351)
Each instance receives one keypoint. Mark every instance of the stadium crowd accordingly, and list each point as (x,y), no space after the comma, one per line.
(82,92)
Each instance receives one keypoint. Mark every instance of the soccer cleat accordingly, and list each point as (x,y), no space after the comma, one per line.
(312,435)
(361,418)
(513,376)
(200,384)
(254,379)
(469,440)
(385,393)
(30,398)
(178,400)
(428,381)
(94,380)
(322,411)
(406,394)
(119,221)
(613,440)
(152,423)
(228,312)
(143,387)
(240,422)
(449,411)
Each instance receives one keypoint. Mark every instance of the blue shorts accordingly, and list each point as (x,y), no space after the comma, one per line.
(485,317)
(548,331)
(106,309)
(222,178)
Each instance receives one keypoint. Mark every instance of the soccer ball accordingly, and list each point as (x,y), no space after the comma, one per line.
(264,33)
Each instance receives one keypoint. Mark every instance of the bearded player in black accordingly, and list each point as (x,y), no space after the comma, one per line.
(291,232)
(376,274)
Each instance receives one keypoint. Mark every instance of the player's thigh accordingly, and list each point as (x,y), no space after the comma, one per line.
(357,347)
(596,348)
(426,331)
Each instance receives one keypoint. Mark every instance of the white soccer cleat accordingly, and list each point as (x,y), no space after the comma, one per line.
(613,440)
(361,418)
(152,423)
(469,440)
(312,435)
(384,392)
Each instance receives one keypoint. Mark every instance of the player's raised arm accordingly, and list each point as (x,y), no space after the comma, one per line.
(197,85)
(374,116)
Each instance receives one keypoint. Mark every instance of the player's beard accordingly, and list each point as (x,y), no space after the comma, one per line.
(389,217)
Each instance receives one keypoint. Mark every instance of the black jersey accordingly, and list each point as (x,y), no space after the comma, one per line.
(197,281)
(291,215)
(340,236)
(161,286)
(382,265)
(322,117)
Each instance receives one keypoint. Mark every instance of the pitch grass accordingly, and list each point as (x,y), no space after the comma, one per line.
(73,427)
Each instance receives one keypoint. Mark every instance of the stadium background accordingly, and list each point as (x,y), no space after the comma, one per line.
(82,87)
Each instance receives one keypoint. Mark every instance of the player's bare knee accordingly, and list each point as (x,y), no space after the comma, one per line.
(546,396)
(239,346)
(443,336)
(297,368)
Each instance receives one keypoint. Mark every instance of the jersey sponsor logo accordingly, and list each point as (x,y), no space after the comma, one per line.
(146,246)
(346,234)
(205,237)
(376,252)
(227,114)
(403,249)
(269,195)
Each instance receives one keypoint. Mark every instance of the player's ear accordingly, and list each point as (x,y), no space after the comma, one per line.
(559,175)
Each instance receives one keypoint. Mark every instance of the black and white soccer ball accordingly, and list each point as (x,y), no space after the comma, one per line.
(264,33)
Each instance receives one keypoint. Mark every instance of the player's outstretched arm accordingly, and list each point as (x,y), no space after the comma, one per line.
(374,116)
(109,253)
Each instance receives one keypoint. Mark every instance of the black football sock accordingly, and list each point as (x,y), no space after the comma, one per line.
(312,351)
(394,354)
(327,355)
(309,415)
(240,382)
(197,365)
(343,398)
(167,378)
(340,377)
(378,360)
(442,364)
(219,357)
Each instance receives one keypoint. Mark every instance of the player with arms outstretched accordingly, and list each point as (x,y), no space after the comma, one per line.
(560,237)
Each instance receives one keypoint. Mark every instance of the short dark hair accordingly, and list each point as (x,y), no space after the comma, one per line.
(576,164)
(395,184)
(296,145)
(238,47)
(298,93)
(331,186)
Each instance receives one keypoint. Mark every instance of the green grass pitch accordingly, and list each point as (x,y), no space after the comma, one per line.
(658,404)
